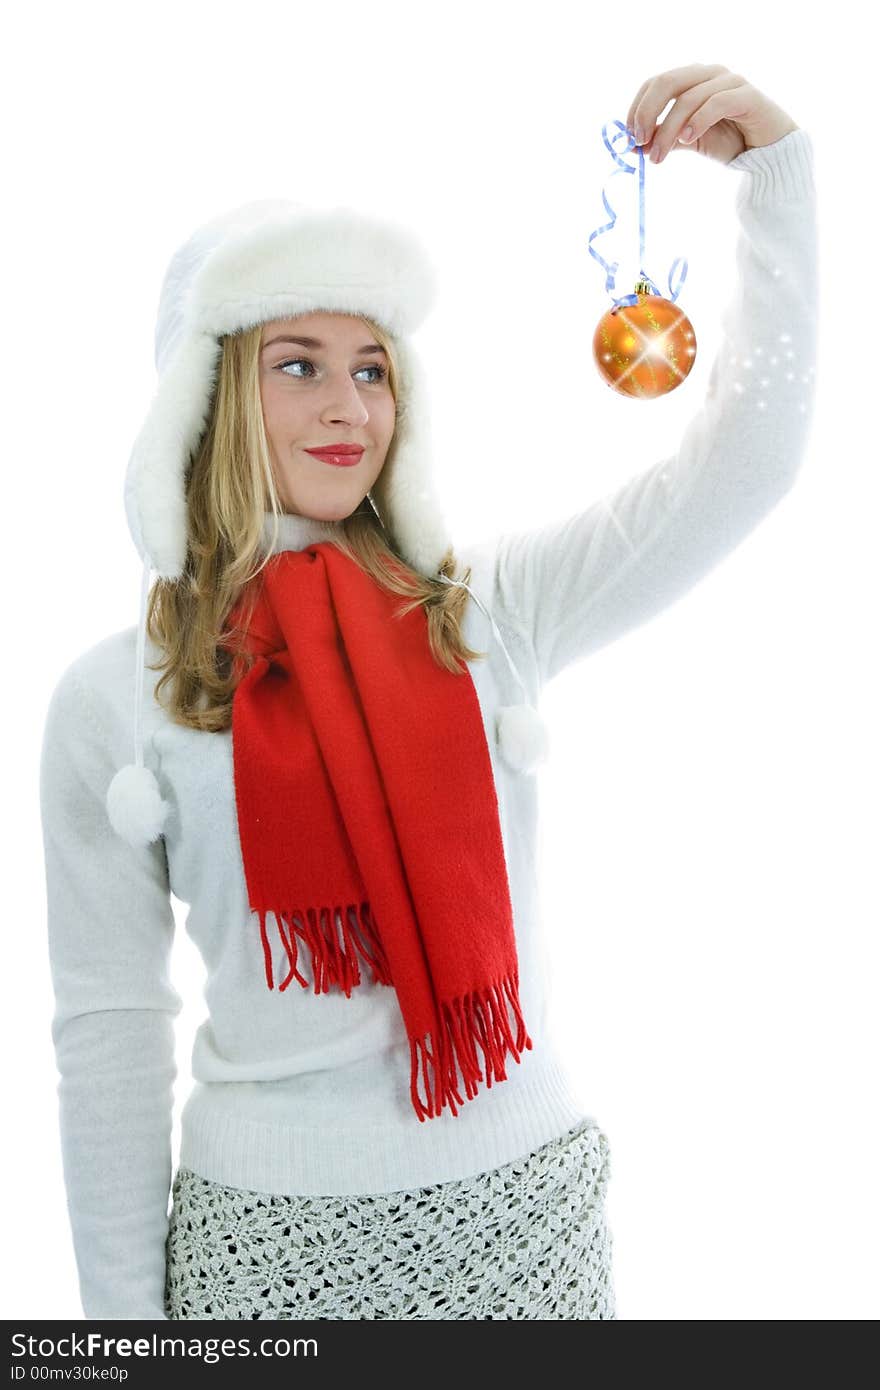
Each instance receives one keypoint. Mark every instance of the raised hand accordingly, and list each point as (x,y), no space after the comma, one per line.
(716,112)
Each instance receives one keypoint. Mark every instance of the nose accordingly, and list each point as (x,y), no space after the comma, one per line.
(344,403)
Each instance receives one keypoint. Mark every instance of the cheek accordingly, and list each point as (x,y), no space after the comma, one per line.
(279,406)
(390,416)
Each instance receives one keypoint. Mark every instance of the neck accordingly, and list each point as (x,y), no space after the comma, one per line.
(294,532)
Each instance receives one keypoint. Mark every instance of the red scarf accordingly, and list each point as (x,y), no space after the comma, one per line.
(363,786)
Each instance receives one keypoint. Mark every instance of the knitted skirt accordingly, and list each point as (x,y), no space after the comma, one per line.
(528,1240)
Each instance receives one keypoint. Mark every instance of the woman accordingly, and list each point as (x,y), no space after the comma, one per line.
(334,773)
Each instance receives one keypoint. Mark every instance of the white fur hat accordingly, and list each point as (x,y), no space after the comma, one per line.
(262,261)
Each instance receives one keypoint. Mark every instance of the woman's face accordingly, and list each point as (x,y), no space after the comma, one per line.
(331,389)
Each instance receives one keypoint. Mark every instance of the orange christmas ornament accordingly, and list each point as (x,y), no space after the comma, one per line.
(645,349)
(644,346)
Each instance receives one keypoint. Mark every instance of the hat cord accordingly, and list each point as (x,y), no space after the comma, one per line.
(139,682)
(463,583)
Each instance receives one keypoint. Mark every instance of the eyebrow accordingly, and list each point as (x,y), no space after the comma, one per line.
(316,343)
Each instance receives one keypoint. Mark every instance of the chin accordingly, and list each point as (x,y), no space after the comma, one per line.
(325,511)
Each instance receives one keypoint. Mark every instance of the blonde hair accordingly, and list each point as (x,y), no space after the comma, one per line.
(229,488)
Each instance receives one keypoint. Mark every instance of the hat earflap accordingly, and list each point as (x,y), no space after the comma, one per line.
(155,494)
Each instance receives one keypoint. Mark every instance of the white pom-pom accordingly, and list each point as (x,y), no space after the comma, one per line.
(134,805)
(522,737)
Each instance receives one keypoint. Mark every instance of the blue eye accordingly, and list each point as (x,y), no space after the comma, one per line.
(296,361)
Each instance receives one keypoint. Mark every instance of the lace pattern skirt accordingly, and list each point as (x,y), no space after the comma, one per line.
(527,1240)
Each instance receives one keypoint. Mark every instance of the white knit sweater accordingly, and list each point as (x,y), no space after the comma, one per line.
(309,1094)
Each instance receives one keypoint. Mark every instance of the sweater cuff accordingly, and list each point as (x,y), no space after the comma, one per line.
(778,173)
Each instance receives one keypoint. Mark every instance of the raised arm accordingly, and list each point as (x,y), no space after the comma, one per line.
(110,930)
(576,584)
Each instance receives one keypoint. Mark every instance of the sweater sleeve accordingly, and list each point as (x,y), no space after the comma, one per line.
(574,585)
(110,931)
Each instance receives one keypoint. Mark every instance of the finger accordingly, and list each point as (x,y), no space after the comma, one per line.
(701,107)
(631,113)
(732,104)
(655,95)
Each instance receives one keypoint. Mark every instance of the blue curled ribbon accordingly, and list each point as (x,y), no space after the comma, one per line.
(610,270)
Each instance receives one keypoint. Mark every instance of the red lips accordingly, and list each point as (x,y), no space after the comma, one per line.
(337,449)
(341,455)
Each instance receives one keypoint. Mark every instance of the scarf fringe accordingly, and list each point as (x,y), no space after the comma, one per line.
(477,1017)
(333,962)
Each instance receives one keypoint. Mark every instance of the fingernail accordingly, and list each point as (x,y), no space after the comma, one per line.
(640,136)
(688,133)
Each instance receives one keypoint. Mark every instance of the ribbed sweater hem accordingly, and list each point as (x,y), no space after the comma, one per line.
(779,173)
(498,1126)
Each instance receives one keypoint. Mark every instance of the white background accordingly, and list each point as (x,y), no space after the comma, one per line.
(709,831)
